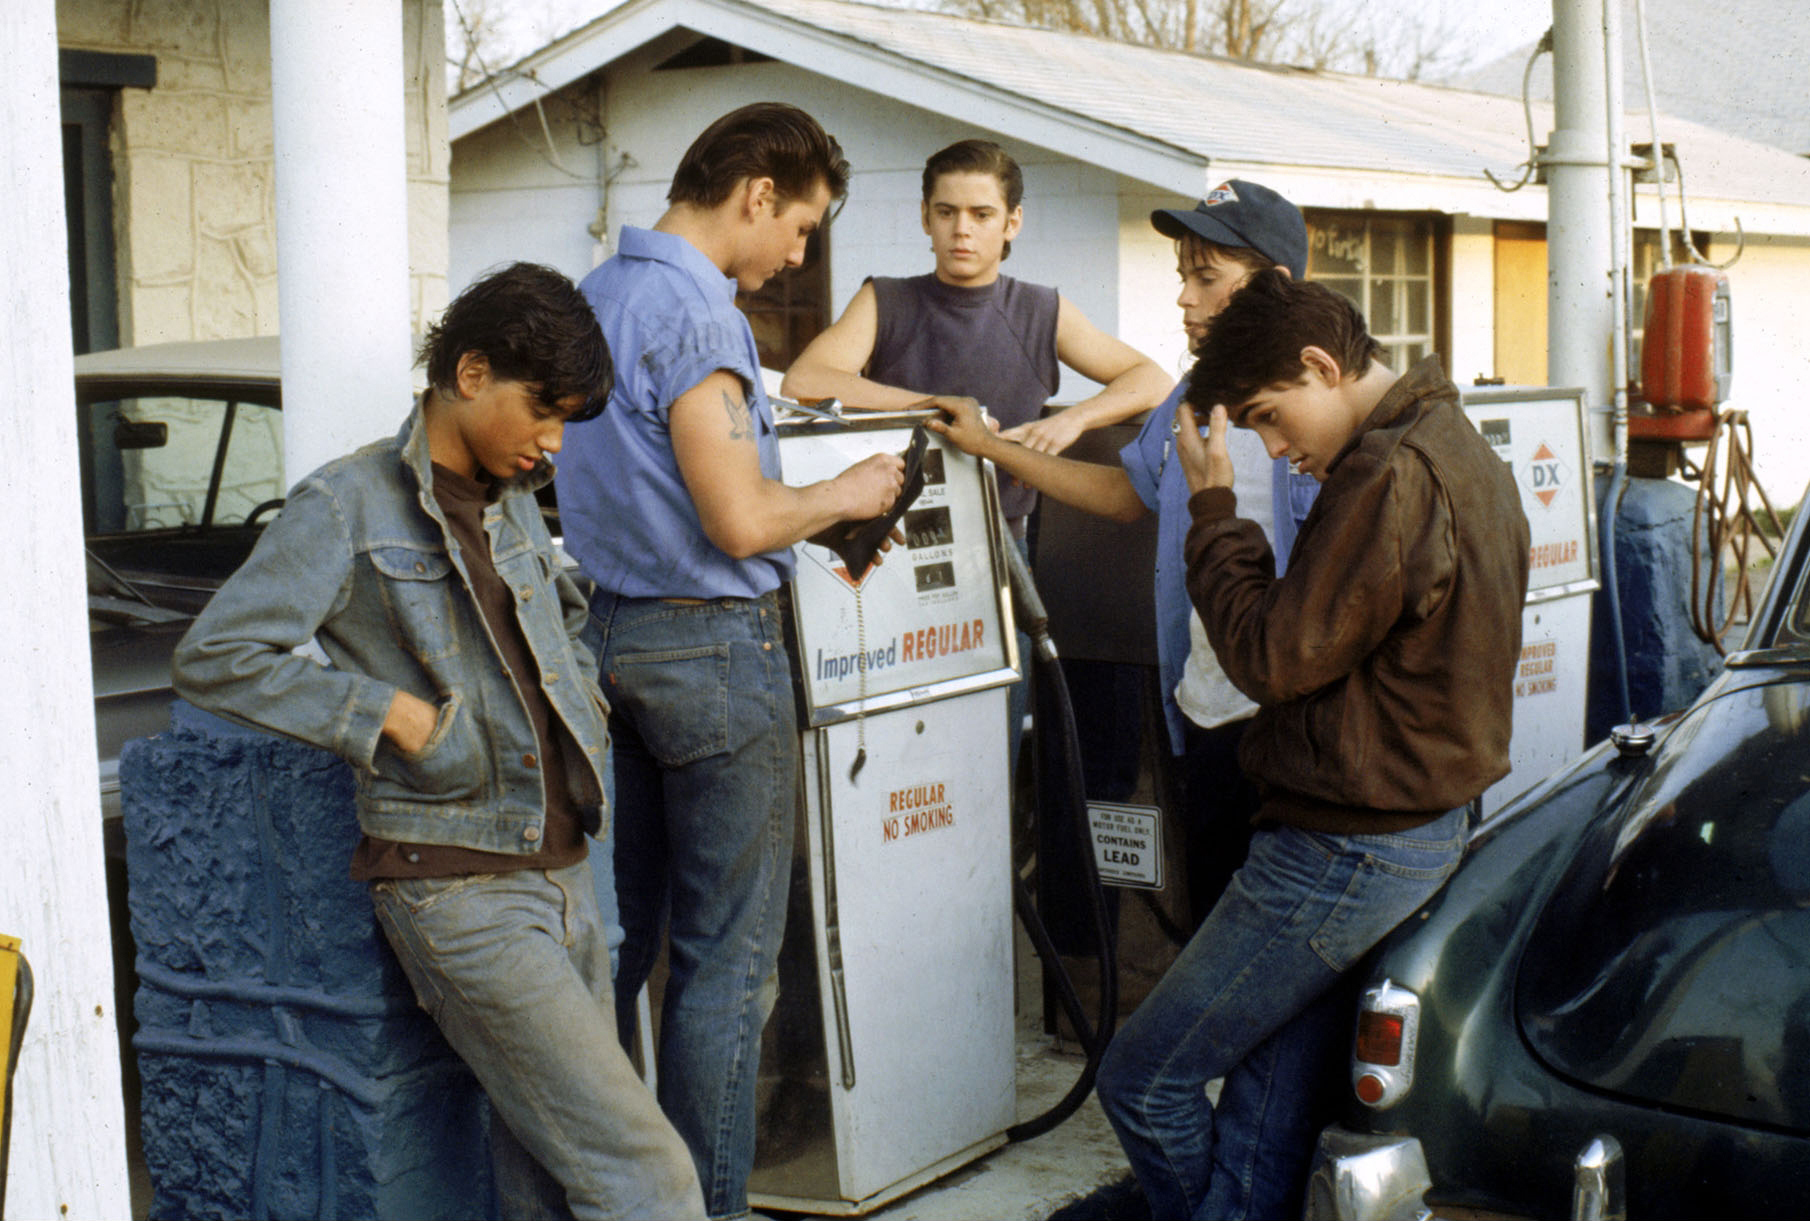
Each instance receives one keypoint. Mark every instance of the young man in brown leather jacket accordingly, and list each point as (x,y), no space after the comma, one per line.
(1382,663)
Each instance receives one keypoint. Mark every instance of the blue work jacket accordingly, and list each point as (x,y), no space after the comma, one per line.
(361,559)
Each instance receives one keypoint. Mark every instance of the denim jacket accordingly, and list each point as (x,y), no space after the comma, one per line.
(361,559)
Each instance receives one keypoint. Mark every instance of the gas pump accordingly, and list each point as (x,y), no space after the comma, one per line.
(890,1057)
(1539,433)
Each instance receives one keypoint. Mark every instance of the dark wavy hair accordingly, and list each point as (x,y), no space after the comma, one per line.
(1255,342)
(762,140)
(977,157)
(533,326)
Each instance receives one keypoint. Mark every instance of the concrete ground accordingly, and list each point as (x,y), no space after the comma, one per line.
(1075,1171)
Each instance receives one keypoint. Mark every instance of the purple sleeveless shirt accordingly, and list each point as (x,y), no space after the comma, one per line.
(996,344)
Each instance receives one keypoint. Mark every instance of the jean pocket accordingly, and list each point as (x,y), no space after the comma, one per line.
(417,591)
(448,765)
(677,700)
(398,923)
(1382,890)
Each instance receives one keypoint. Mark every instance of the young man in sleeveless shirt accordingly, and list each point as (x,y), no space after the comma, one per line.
(967,329)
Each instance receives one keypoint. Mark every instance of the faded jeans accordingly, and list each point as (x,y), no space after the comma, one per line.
(513,969)
(705,736)
(1253,998)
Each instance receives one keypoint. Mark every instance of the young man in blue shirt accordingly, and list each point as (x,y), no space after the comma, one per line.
(672,504)
(1239,228)
(461,696)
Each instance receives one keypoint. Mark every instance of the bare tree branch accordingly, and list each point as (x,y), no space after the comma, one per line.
(1337,35)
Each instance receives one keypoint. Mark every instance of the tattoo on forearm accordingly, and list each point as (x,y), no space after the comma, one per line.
(741,420)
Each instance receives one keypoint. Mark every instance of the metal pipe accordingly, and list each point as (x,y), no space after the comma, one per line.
(1615,143)
(1621,247)
(1578,234)
(1646,79)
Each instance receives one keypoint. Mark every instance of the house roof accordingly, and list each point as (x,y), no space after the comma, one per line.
(1737,65)
(1174,120)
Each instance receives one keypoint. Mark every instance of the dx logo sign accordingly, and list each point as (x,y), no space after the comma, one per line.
(1544,475)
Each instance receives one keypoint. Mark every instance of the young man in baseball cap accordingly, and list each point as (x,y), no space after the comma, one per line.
(1238,229)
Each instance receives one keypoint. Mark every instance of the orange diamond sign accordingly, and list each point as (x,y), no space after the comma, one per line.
(1544,475)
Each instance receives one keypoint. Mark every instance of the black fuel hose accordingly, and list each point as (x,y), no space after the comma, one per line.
(1034,620)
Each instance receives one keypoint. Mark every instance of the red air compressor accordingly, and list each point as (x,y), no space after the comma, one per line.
(1686,360)
(1685,356)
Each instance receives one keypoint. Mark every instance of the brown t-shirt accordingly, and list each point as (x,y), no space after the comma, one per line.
(463,500)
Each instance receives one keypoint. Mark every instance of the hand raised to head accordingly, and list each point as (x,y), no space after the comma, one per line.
(1206,462)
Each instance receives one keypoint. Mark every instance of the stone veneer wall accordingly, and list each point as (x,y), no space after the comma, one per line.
(194,181)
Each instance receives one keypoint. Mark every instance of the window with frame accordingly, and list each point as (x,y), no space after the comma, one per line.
(1385,265)
(792,308)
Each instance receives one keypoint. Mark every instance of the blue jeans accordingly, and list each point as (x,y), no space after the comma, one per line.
(705,737)
(1252,999)
(512,967)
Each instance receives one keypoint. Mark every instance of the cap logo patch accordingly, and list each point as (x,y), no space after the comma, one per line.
(1221,194)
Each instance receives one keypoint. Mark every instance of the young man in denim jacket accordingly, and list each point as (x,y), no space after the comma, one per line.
(1382,663)
(470,713)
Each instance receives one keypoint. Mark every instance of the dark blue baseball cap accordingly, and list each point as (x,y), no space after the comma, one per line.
(1240,213)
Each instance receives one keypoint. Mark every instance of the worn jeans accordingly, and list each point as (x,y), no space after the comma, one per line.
(705,737)
(1253,999)
(513,968)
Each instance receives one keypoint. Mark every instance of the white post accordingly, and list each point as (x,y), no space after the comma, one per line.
(1580,326)
(342,224)
(68,1155)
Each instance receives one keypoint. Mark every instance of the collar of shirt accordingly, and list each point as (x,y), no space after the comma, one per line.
(675,251)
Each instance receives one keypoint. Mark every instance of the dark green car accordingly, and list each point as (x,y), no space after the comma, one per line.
(1607,1011)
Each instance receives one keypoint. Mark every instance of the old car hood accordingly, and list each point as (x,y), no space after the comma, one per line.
(1672,962)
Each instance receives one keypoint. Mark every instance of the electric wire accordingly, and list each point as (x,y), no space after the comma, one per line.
(1527,167)
(490,79)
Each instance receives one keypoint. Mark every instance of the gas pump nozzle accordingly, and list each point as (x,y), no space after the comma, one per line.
(1033,618)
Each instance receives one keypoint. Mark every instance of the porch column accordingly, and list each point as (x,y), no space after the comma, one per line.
(342,224)
(68,1154)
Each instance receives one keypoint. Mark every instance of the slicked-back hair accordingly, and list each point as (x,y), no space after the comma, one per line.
(977,157)
(761,140)
(1255,342)
(531,325)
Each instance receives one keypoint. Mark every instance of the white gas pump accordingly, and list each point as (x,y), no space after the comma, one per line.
(1540,433)
(890,1057)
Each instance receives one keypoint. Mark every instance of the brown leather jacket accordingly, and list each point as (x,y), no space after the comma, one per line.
(1383,660)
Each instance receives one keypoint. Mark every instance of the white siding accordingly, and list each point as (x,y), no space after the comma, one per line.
(508,201)
(1771,360)
(1473,295)
(1149,319)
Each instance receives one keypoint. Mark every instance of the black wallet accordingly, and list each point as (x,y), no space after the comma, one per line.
(859,545)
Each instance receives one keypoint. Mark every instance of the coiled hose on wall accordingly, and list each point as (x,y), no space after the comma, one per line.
(1725,520)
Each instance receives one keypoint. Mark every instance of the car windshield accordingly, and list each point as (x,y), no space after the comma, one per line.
(175,487)
(178,461)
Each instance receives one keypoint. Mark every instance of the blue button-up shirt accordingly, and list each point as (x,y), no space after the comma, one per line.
(669,316)
(1156,475)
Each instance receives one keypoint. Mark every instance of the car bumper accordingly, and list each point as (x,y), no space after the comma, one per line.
(1361,1177)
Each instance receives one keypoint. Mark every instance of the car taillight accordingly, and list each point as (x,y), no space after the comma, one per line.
(1388,1029)
(1379,1038)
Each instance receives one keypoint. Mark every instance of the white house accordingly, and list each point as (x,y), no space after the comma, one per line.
(582,136)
